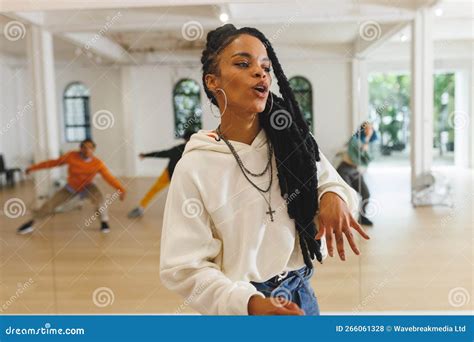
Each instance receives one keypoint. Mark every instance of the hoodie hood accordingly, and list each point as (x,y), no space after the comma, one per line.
(208,140)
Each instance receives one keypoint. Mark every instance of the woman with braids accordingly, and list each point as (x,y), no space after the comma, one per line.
(239,232)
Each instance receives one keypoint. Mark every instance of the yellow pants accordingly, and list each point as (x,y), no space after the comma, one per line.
(159,185)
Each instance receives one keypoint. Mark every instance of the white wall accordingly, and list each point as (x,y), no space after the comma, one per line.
(16,113)
(329,69)
(332,100)
(471,126)
(148,110)
(105,88)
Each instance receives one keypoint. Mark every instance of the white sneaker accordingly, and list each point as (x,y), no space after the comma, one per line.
(26,228)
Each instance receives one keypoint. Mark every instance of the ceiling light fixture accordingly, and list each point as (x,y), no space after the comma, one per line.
(224,17)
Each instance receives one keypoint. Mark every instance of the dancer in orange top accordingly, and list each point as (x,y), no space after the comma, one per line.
(83,166)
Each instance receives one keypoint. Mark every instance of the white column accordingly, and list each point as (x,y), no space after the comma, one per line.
(461,120)
(471,116)
(360,93)
(422,66)
(46,140)
(129,120)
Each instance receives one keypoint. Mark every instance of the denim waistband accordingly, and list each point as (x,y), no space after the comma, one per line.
(303,272)
(293,286)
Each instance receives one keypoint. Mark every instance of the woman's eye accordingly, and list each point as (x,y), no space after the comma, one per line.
(246,65)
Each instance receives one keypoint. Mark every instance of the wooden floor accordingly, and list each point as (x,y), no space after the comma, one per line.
(417,259)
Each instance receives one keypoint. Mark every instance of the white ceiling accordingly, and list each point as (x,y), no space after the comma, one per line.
(148,26)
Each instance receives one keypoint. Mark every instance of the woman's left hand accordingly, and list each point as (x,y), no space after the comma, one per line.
(335,221)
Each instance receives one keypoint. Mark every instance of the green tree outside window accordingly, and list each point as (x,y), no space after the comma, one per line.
(389,97)
(304,95)
(187,107)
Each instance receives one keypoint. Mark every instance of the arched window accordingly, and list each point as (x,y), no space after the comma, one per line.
(76,112)
(304,95)
(187,106)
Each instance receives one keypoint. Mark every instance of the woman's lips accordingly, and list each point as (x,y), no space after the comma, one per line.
(260,94)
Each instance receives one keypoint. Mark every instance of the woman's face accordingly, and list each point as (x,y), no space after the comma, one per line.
(244,75)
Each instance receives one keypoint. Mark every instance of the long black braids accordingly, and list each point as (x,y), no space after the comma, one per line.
(296,150)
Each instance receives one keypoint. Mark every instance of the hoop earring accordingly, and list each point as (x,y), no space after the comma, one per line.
(225,104)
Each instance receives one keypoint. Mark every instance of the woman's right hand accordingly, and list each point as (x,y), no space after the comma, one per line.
(273,306)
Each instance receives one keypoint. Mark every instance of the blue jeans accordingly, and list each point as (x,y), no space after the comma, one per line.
(295,287)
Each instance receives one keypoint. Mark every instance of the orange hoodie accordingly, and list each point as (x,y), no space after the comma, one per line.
(81,172)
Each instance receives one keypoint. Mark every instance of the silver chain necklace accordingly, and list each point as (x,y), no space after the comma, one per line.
(245,171)
(234,152)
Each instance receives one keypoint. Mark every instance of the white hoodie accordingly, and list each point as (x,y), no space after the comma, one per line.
(216,234)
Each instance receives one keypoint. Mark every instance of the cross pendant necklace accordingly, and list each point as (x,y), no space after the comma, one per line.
(269,202)
(245,171)
(270,212)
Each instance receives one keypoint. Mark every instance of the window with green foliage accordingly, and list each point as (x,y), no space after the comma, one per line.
(304,95)
(389,102)
(187,107)
(389,96)
(443,110)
